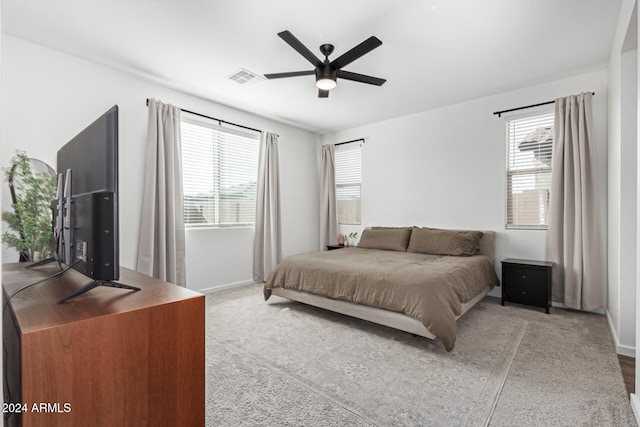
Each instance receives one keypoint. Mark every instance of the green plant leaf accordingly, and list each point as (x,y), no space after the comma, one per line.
(30,218)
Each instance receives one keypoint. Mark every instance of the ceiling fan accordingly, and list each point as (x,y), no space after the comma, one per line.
(328,72)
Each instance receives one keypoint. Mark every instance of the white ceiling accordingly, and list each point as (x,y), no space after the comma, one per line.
(434,52)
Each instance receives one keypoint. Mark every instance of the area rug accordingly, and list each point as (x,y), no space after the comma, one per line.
(565,373)
(285,363)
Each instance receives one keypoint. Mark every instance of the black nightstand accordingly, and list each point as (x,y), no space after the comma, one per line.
(332,247)
(527,282)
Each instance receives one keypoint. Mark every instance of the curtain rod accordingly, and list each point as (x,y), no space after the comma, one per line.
(499,113)
(216,120)
(349,142)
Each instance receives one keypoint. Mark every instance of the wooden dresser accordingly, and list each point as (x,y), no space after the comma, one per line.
(110,357)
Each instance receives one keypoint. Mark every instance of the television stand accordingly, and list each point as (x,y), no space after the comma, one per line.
(55,257)
(45,262)
(95,284)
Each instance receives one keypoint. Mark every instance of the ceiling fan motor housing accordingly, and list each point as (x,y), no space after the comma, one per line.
(326,72)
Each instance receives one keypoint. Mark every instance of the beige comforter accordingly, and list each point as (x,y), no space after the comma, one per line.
(430,288)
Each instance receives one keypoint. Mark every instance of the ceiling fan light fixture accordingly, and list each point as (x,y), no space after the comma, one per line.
(325,83)
(327,72)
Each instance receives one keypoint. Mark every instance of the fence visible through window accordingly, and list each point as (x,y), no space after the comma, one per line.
(348,169)
(529,153)
(220,168)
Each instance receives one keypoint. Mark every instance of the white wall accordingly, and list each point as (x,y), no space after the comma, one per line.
(614,132)
(627,209)
(446,167)
(623,109)
(622,183)
(49,96)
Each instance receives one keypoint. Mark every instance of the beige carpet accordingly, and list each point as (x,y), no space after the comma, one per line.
(291,364)
(565,373)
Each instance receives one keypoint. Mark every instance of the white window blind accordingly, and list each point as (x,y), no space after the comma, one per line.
(529,149)
(348,169)
(220,168)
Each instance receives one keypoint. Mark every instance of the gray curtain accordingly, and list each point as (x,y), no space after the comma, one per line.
(161,248)
(573,240)
(328,209)
(267,250)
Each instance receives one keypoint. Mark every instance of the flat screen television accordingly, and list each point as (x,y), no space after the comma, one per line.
(86,208)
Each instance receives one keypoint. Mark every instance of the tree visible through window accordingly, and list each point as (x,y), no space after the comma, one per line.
(219,168)
(529,150)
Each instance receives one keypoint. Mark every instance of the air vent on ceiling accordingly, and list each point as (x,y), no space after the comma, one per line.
(245,77)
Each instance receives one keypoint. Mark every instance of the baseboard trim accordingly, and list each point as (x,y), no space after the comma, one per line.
(219,288)
(624,350)
(635,405)
(562,305)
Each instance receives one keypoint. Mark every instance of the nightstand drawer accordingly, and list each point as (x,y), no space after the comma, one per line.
(525,286)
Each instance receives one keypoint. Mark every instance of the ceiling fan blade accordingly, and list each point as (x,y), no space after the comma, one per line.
(290,74)
(348,75)
(292,41)
(323,93)
(363,48)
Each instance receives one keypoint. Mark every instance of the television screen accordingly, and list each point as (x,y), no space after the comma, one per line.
(92,221)
(86,209)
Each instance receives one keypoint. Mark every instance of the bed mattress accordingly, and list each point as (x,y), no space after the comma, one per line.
(428,288)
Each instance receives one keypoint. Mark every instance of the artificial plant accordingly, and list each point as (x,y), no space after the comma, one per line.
(30,220)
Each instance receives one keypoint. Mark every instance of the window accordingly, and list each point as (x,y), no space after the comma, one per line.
(529,142)
(348,172)
(219,168)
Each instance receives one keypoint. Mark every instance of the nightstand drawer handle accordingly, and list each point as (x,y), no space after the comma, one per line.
(524,292)
(524,276)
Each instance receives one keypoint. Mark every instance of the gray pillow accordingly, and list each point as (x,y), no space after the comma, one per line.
(377,227)
(444,242)
(387,239)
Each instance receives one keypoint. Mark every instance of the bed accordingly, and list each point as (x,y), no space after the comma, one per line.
(415,279)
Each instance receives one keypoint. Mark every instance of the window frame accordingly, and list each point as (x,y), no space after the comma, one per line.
(537,112)
(196,120)
(355,184)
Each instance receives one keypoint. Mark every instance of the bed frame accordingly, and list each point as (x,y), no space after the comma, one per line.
(392,319)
